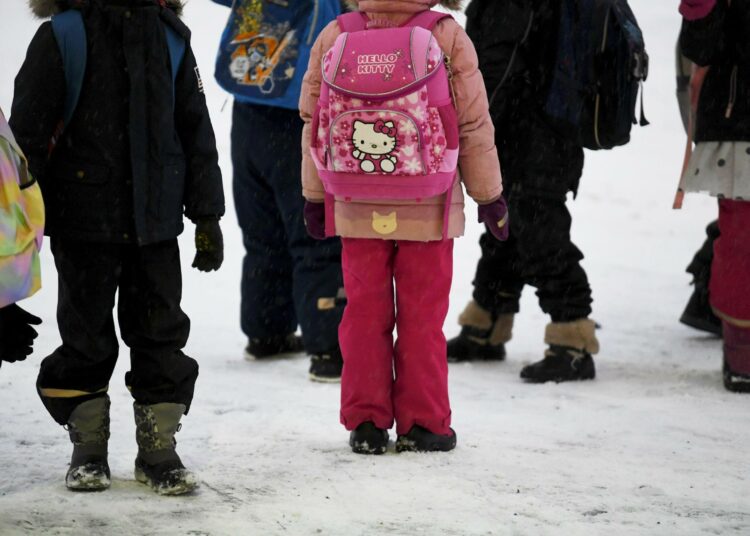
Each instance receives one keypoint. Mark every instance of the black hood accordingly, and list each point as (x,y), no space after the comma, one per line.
(46,8)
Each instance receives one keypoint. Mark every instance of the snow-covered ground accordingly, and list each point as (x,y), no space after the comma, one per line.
(654,446)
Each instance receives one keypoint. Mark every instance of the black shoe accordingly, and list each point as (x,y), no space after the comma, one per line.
(735,381)
(422,440)
(473,344)
(560,364)
(326,368)
(166,478)
(270,347)
(368,439)
(699,315)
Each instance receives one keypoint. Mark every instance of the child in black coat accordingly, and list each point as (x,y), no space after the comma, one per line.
(135,151)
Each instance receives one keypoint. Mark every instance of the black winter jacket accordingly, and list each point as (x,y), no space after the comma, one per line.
(722,40)
(516,41)
(138,151)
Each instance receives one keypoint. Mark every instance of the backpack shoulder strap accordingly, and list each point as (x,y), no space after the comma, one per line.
(427,19)
(70,34)
(352,22)
(176,44)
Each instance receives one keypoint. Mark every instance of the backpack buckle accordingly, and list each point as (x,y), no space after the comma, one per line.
(639,67)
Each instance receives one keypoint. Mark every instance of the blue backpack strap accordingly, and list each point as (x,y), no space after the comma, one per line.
(70,34)
(352,22)
(176,44)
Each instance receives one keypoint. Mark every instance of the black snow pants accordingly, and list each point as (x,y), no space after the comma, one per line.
(152,324)
(538,171)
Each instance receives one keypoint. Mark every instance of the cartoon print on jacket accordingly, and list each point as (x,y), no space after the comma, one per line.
(373,144)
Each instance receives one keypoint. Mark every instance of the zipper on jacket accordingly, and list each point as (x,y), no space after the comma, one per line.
(314,24)
(512,59)
(732,92)
(597,103)
(449,67)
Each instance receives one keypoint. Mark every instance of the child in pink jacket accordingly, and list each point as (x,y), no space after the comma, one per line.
(402,241)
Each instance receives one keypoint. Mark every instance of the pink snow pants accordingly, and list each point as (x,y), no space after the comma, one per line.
(730,272)
(407,381)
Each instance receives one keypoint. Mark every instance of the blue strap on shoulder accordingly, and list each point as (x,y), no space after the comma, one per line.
(71,40)
(176,44)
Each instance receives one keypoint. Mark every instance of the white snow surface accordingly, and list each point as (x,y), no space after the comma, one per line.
(654,446)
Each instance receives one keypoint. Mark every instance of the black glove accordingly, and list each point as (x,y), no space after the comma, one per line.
(16,334)
(209,245)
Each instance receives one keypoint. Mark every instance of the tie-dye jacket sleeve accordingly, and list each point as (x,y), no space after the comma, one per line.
(21,224)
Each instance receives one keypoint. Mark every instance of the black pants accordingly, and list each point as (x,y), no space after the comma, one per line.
(285,273)
(151,321)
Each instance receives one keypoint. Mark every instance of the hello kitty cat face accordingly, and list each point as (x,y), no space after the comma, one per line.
(376,138)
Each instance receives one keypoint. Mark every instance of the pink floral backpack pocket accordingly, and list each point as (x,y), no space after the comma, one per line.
(385,126)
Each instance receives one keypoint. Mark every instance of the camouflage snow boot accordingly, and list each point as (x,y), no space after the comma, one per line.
(88,427)
(482,336)
(158,464)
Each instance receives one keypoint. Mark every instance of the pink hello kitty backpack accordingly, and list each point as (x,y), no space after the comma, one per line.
(385,126)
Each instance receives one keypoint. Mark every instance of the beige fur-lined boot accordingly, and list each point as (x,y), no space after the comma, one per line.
(568,357)
(482,336)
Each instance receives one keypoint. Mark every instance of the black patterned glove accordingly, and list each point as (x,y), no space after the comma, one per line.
(209,245)
(16,334)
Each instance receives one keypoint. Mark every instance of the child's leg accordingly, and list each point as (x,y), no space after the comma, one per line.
(730,284)
(423,272)
(316,264)
(80,369)
(154,326)
(366,333)
(267,306)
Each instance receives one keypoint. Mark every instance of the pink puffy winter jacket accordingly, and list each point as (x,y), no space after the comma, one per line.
(479,167)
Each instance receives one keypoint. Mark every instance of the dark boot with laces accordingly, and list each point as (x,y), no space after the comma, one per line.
(368,439)
(158,464)
(568,357)
(88,426)
(326,367)
(483,335)
(560,364)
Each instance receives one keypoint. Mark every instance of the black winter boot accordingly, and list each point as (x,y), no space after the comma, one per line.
(158,464)
(420,439)
(88,427)
(482,336)
(326,367)
(569,354)
(560,364)
(273,347)
(368,439)
(698,313)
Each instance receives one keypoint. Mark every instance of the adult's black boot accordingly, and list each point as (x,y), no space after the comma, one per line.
(698,313)
(568,357)
(88,427)
(482,336)
(158,464)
